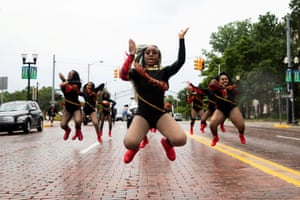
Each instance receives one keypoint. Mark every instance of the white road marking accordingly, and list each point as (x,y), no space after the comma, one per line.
(89,148)
(285,137)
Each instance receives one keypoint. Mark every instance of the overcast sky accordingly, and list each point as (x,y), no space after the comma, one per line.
(79,32)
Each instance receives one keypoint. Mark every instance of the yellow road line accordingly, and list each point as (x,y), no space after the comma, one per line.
(287,174)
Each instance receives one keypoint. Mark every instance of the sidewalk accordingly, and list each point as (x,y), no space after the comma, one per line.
(274,124)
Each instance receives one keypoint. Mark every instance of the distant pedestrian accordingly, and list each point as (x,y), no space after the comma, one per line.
(72,108)
(51,113)
(169,107)
(150,81)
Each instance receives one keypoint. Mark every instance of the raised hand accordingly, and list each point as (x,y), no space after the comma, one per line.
(182,33)
(132,47)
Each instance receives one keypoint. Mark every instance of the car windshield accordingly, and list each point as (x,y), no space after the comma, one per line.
(13,106)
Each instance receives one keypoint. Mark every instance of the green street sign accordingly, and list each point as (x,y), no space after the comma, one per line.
(33,72)
(278,89)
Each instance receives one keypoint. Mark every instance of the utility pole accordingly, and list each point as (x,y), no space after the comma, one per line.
(53,81)
(292,84)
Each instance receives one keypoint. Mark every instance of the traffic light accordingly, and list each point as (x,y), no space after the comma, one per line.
(199,64)
(196,64)
(116,73)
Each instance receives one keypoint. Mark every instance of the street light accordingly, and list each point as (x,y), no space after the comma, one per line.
(89,66)
(24,58)
(292,76)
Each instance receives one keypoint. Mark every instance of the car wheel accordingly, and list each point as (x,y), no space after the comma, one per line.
(27,126)
(85,122)
(40,126)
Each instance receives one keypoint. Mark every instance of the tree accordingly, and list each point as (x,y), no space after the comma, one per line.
(255,53)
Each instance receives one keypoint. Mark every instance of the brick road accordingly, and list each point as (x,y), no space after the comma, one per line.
(43,166)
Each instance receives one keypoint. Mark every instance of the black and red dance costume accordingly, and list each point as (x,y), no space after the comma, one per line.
(225,101)
(197,104)
(107,105)
(211,106)
(224,97)
(71,92)
(107,108)
(149,81)
(90,97)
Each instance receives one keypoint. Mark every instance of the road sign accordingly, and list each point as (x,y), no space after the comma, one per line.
(3,83)
(33,72)
(278,89)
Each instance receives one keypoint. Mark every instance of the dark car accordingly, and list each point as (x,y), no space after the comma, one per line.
(21,115)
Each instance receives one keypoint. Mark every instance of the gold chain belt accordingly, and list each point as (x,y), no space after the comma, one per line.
(150,104)
(72,102)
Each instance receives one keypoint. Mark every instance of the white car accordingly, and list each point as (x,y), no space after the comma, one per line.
(178,116)
(119,117)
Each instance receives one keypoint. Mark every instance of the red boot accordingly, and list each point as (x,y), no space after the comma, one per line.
(153,130)
(191,130)
(171,154)
(67,133)
(74,136)
(144,142)
(214,141)
(109,133)
(129,155)
(202,129)
(242,138)
(78,134)
(222,128)
(99,135)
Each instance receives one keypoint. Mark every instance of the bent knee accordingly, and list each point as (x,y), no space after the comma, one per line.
(178,140)
(130,143)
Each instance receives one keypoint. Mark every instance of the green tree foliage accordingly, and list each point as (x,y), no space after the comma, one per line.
(294,20)
(255,52)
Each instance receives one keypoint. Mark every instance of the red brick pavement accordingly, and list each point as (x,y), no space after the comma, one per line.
(43,166)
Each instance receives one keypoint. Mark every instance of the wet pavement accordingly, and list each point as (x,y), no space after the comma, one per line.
(44,166)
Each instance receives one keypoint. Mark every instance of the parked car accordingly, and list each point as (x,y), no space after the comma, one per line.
(178,116)
(87,120)
(131,112)
(21,115)
(119,117)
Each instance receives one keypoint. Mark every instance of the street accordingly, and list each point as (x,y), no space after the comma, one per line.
(44,166)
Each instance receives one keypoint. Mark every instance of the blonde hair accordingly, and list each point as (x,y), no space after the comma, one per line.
(139,56)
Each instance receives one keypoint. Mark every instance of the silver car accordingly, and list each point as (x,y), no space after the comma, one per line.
(178,116)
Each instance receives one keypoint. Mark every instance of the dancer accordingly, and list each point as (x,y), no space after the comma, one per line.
(195,98)
(72,109)
(150,81)
(224,93)
(90,95)
(105,113)
(210,107)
